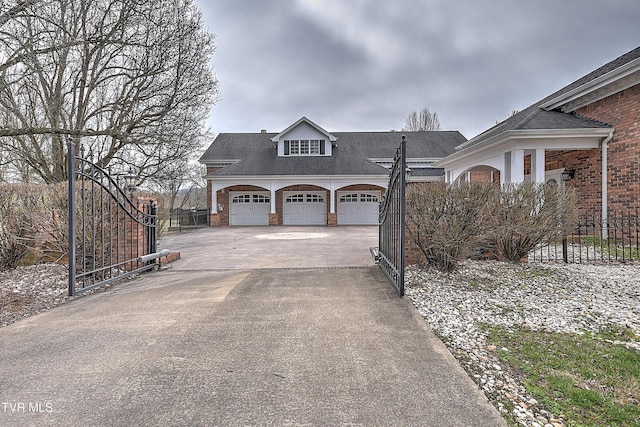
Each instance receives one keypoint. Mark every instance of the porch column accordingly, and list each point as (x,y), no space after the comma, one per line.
(517,166)
(273,199)
(537,166)
(214,199)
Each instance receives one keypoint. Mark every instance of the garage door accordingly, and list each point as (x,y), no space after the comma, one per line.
(358,208)
(249,208)
(305,208)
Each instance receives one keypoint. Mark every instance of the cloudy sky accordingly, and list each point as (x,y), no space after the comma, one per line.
(364,65)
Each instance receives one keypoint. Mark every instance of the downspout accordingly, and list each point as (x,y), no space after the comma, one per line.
(605,182)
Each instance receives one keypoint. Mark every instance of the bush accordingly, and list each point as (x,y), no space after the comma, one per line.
(32,222)
(447,221)
(527,215)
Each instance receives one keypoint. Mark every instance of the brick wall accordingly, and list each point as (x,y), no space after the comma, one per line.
(622,111)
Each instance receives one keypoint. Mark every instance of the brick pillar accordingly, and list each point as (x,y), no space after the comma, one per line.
(273,219)
(214,220)
(332,219)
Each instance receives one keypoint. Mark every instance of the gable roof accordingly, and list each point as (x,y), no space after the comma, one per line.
(258,157)
(544,114)
(331,138)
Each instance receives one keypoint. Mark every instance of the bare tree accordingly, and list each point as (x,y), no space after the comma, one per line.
(129,80)
(422,120)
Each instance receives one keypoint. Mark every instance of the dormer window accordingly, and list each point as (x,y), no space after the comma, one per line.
(304,147)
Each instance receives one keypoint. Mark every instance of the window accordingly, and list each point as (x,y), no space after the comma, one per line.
(349,198)
(257,198)
(295,198)
(314,198)
(304,147)
(368,198)
(250,198)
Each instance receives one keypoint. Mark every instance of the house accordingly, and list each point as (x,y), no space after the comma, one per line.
(586,136)
(306,175)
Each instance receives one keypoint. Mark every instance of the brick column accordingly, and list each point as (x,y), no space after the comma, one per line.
(214,220)
(332,219)
(273,219)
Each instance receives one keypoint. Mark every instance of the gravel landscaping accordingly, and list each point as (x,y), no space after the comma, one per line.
(556,298)
(553,297)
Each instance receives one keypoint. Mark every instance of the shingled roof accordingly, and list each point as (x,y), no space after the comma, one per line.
(536,117)
(257,156)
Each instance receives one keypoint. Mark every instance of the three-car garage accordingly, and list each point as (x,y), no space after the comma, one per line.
(304,207)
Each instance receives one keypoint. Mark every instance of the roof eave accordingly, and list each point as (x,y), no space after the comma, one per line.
(593,85)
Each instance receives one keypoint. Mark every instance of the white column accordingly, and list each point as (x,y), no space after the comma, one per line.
(214,199)
(537,166)
(332,198)
(505,172)
(517,166)
(273,198)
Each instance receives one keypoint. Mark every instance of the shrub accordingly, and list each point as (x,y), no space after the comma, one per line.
(32,223)
(526,215)
(447,221)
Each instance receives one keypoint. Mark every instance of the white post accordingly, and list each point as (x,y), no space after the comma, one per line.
(517,166)
(537,166)
(214,198)
(273,198)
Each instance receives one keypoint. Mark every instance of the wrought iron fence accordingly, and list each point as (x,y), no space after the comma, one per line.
(391,239)
(188,218)
(595,240)
(108,232)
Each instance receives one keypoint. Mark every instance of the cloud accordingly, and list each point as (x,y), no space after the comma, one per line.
(366,64)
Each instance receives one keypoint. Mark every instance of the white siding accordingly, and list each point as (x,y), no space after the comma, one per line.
(304,131)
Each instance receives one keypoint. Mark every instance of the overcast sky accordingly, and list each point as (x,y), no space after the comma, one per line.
(364,65)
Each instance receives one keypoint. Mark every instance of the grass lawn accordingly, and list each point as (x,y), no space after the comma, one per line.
(590,381)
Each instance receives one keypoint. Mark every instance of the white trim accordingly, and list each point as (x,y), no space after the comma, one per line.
(548,139)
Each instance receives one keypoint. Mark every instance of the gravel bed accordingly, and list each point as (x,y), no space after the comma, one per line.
(26,291)
(553,297)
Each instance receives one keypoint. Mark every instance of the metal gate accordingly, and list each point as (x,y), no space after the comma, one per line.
(392,223)
(108,232)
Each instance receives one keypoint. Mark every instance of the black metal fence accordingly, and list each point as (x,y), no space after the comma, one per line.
(108,232)
(391,239)
(595,240)
(180,218)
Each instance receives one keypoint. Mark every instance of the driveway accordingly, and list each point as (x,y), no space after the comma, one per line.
(240,337)
(273,247)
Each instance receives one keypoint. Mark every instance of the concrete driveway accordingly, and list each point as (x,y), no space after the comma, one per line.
(234,335)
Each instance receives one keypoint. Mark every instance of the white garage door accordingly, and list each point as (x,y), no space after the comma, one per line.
(305,208)
(358,208)
(249,208)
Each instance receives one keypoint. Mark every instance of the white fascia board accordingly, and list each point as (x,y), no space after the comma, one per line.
(595,84)
(273,182)
(558,139)
(247,178)
(214,161)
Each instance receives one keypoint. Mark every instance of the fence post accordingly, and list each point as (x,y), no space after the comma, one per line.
(71,172)
(565,250)
(152,229)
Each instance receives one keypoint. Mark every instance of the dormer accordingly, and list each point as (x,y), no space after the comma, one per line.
(304,138)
